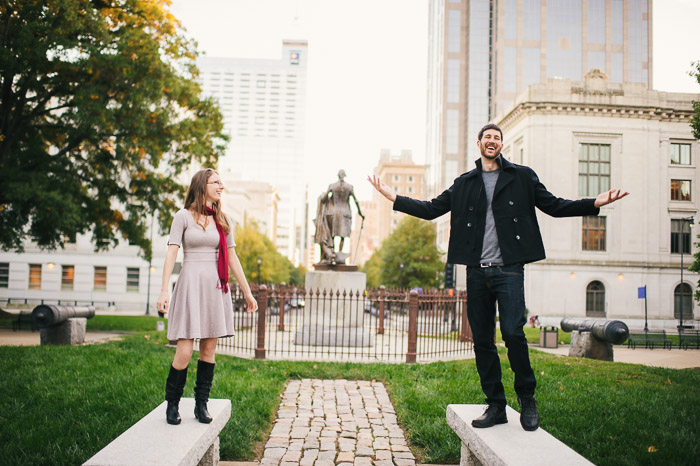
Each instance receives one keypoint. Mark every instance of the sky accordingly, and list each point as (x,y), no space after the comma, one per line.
(366,76)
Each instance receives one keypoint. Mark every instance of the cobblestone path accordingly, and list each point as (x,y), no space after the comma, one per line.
(336,422)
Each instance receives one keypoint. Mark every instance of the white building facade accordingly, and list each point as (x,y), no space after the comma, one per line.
(583,138)
(263,102)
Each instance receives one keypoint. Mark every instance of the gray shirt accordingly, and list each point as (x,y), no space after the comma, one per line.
(490,252)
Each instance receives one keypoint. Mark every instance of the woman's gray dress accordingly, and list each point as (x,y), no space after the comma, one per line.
(198,309)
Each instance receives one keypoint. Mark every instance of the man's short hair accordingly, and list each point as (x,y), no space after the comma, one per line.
(490,126)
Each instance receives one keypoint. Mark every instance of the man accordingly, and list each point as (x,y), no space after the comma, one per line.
(494,231)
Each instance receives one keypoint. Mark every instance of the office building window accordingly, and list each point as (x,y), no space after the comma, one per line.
(593,233)
(595,299)
(67,277)
(452,132)
(100,283)
(453,81)
(34,276)
(593,169)
(683,299)
(4,274)
(680,236)
(680,190)
(680,153)
(132,279)
(596,22)
(454,31)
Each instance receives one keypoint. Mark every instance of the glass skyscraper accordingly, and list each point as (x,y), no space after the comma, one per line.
(484,53)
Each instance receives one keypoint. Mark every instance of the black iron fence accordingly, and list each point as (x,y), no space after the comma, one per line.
(370,325)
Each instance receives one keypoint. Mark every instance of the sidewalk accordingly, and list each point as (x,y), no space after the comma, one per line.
(670,359)
(29,338)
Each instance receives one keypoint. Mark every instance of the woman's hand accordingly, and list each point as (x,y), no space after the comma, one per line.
(252,303)
(163,302)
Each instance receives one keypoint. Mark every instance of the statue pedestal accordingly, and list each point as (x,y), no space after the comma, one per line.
(334,320)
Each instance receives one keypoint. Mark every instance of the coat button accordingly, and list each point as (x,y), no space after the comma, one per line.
(469,225)
(517,237)
(515,220)
(471,207)
(510,202)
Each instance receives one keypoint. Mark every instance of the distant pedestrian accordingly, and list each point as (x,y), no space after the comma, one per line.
(201,305)
(494,232)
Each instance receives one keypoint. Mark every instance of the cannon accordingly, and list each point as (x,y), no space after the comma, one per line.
(611,331)
(62,325)
(594,338)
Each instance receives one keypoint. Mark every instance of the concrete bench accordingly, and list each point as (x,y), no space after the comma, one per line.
(507,444)
(152,441)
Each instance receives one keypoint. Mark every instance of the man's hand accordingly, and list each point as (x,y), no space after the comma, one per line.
(609,197)
(382,188)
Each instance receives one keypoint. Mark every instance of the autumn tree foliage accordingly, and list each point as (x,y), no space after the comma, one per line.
(413,243)
(99,114)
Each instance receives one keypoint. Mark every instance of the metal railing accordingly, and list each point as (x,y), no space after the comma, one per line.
(383,325)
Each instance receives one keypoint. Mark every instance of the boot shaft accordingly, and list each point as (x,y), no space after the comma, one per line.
(205,376)
(175,384)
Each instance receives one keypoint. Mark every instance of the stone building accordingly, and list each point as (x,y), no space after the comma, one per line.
(583,138)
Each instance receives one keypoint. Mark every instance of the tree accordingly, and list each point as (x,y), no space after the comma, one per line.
(373,269)
(695,120)
(413,243)
(99,114)
(695,125)
(251,244)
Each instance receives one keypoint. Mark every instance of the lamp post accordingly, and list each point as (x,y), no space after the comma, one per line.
(150,261)
(259,262)
(691,221)
(401,274)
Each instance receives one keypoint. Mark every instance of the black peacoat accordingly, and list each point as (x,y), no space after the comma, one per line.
(517,193)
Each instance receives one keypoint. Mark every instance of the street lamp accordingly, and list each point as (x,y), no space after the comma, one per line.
(259,262)
(401,274)
(691,221)
(150,267)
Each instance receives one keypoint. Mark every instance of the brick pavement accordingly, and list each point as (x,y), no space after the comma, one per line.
(336,422)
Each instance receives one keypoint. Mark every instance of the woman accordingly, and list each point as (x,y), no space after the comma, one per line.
(201,306)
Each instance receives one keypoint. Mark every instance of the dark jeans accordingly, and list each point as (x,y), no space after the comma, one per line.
(485,286)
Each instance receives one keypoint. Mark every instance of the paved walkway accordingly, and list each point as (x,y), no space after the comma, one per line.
(671,359)
(336,422)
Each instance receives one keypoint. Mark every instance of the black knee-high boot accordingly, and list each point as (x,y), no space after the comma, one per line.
(205,375)
(174,386)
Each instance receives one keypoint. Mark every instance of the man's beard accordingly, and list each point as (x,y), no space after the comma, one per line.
(490,157)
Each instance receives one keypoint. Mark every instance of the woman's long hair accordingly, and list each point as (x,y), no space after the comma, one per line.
(196,198)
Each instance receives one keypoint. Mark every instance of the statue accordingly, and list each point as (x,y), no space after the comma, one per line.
(334,218)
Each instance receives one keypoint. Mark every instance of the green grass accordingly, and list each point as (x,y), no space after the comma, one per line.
(533,336)
(63,404)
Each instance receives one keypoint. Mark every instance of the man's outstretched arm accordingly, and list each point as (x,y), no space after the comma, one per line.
(427,210)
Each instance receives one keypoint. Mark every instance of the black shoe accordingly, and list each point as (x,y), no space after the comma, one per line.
(493,415)
(205,375)
(172,413)
(174,385)
(529,417)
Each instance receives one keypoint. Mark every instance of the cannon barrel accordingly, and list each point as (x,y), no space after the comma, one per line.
(611,331)
(48,315)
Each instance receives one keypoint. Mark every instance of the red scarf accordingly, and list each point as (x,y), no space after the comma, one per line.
(222,265)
